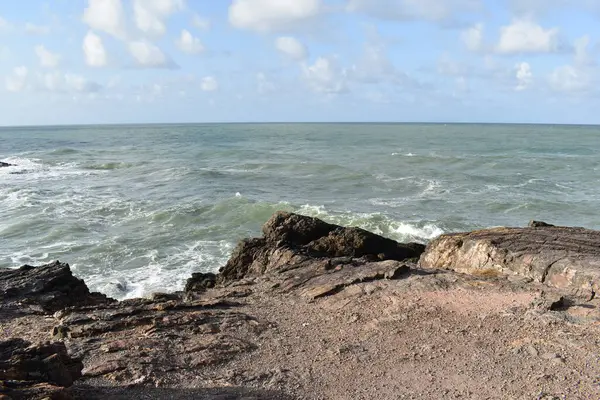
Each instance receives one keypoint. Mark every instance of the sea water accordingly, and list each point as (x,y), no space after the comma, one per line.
(137,209)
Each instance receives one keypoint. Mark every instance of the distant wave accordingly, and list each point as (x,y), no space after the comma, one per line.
(64,151)
(109,166)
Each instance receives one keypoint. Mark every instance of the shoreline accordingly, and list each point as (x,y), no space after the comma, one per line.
(313,310)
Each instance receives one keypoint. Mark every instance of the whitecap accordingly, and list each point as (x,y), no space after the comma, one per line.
(415,232)
(162,272)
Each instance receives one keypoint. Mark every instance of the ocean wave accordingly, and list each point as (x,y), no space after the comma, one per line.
(109,166)
(64,151)
(403,231)
(34,169)
(164,270)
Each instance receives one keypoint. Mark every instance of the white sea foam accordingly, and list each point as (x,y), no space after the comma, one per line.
(414,232)
(377,223)
(33,169)
(162,270)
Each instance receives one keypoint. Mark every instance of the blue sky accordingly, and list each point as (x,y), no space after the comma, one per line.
(145,61)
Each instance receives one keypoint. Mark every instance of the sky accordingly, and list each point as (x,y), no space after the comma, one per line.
(180,61)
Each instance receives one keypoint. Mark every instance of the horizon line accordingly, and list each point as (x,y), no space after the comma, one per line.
(69,125)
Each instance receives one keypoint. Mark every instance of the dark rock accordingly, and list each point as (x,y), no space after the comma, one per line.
(200,282)
(36,371)
(562,257)
(45,289)
(539,224)
(292,239)
(295,229)
(3,164)
(356,242)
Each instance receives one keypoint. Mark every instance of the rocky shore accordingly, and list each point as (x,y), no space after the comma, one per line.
(312,310)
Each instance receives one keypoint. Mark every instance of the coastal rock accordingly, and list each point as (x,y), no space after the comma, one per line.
(44,289)
(148,339)
(291,239)
(539,224)
(3,164)
(200,281)
(36,371)
(312,310)
(562,257)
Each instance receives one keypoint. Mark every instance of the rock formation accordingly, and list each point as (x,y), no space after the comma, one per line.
(292,239)
(3,164)
(314,310)
(44,289)
(566,258)
(36,371)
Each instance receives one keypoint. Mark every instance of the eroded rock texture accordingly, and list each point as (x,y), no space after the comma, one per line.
(566,258)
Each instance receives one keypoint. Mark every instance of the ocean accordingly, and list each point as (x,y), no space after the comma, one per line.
(136,209)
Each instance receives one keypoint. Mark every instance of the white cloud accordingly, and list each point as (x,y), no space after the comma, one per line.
(272,15)
(106,16)
(432,10)
(78,83)
(473,37)
(568,79)
(17,81)
(525,36)
(34,29)
(4,25)
(264,84)
(450,67)
(149,55)
(524,76)
(47,58)
(188,43)
(150,15)
(57,82)
(54,81)
(209,84)
(581,54)
(201,22)
(374,66)
(94,51)
(324,77)
(291,47)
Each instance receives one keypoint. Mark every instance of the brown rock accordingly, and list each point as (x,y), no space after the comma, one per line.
(561,257)
(36,371)
(290,240)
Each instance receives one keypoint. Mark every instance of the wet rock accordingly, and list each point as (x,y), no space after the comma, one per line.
(36,371)
(3,164)
(44,289)
(562,257)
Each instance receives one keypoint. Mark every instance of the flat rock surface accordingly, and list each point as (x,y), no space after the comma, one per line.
(567,258)
(290,320)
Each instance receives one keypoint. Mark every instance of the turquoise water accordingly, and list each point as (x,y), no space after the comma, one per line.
(142,207)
